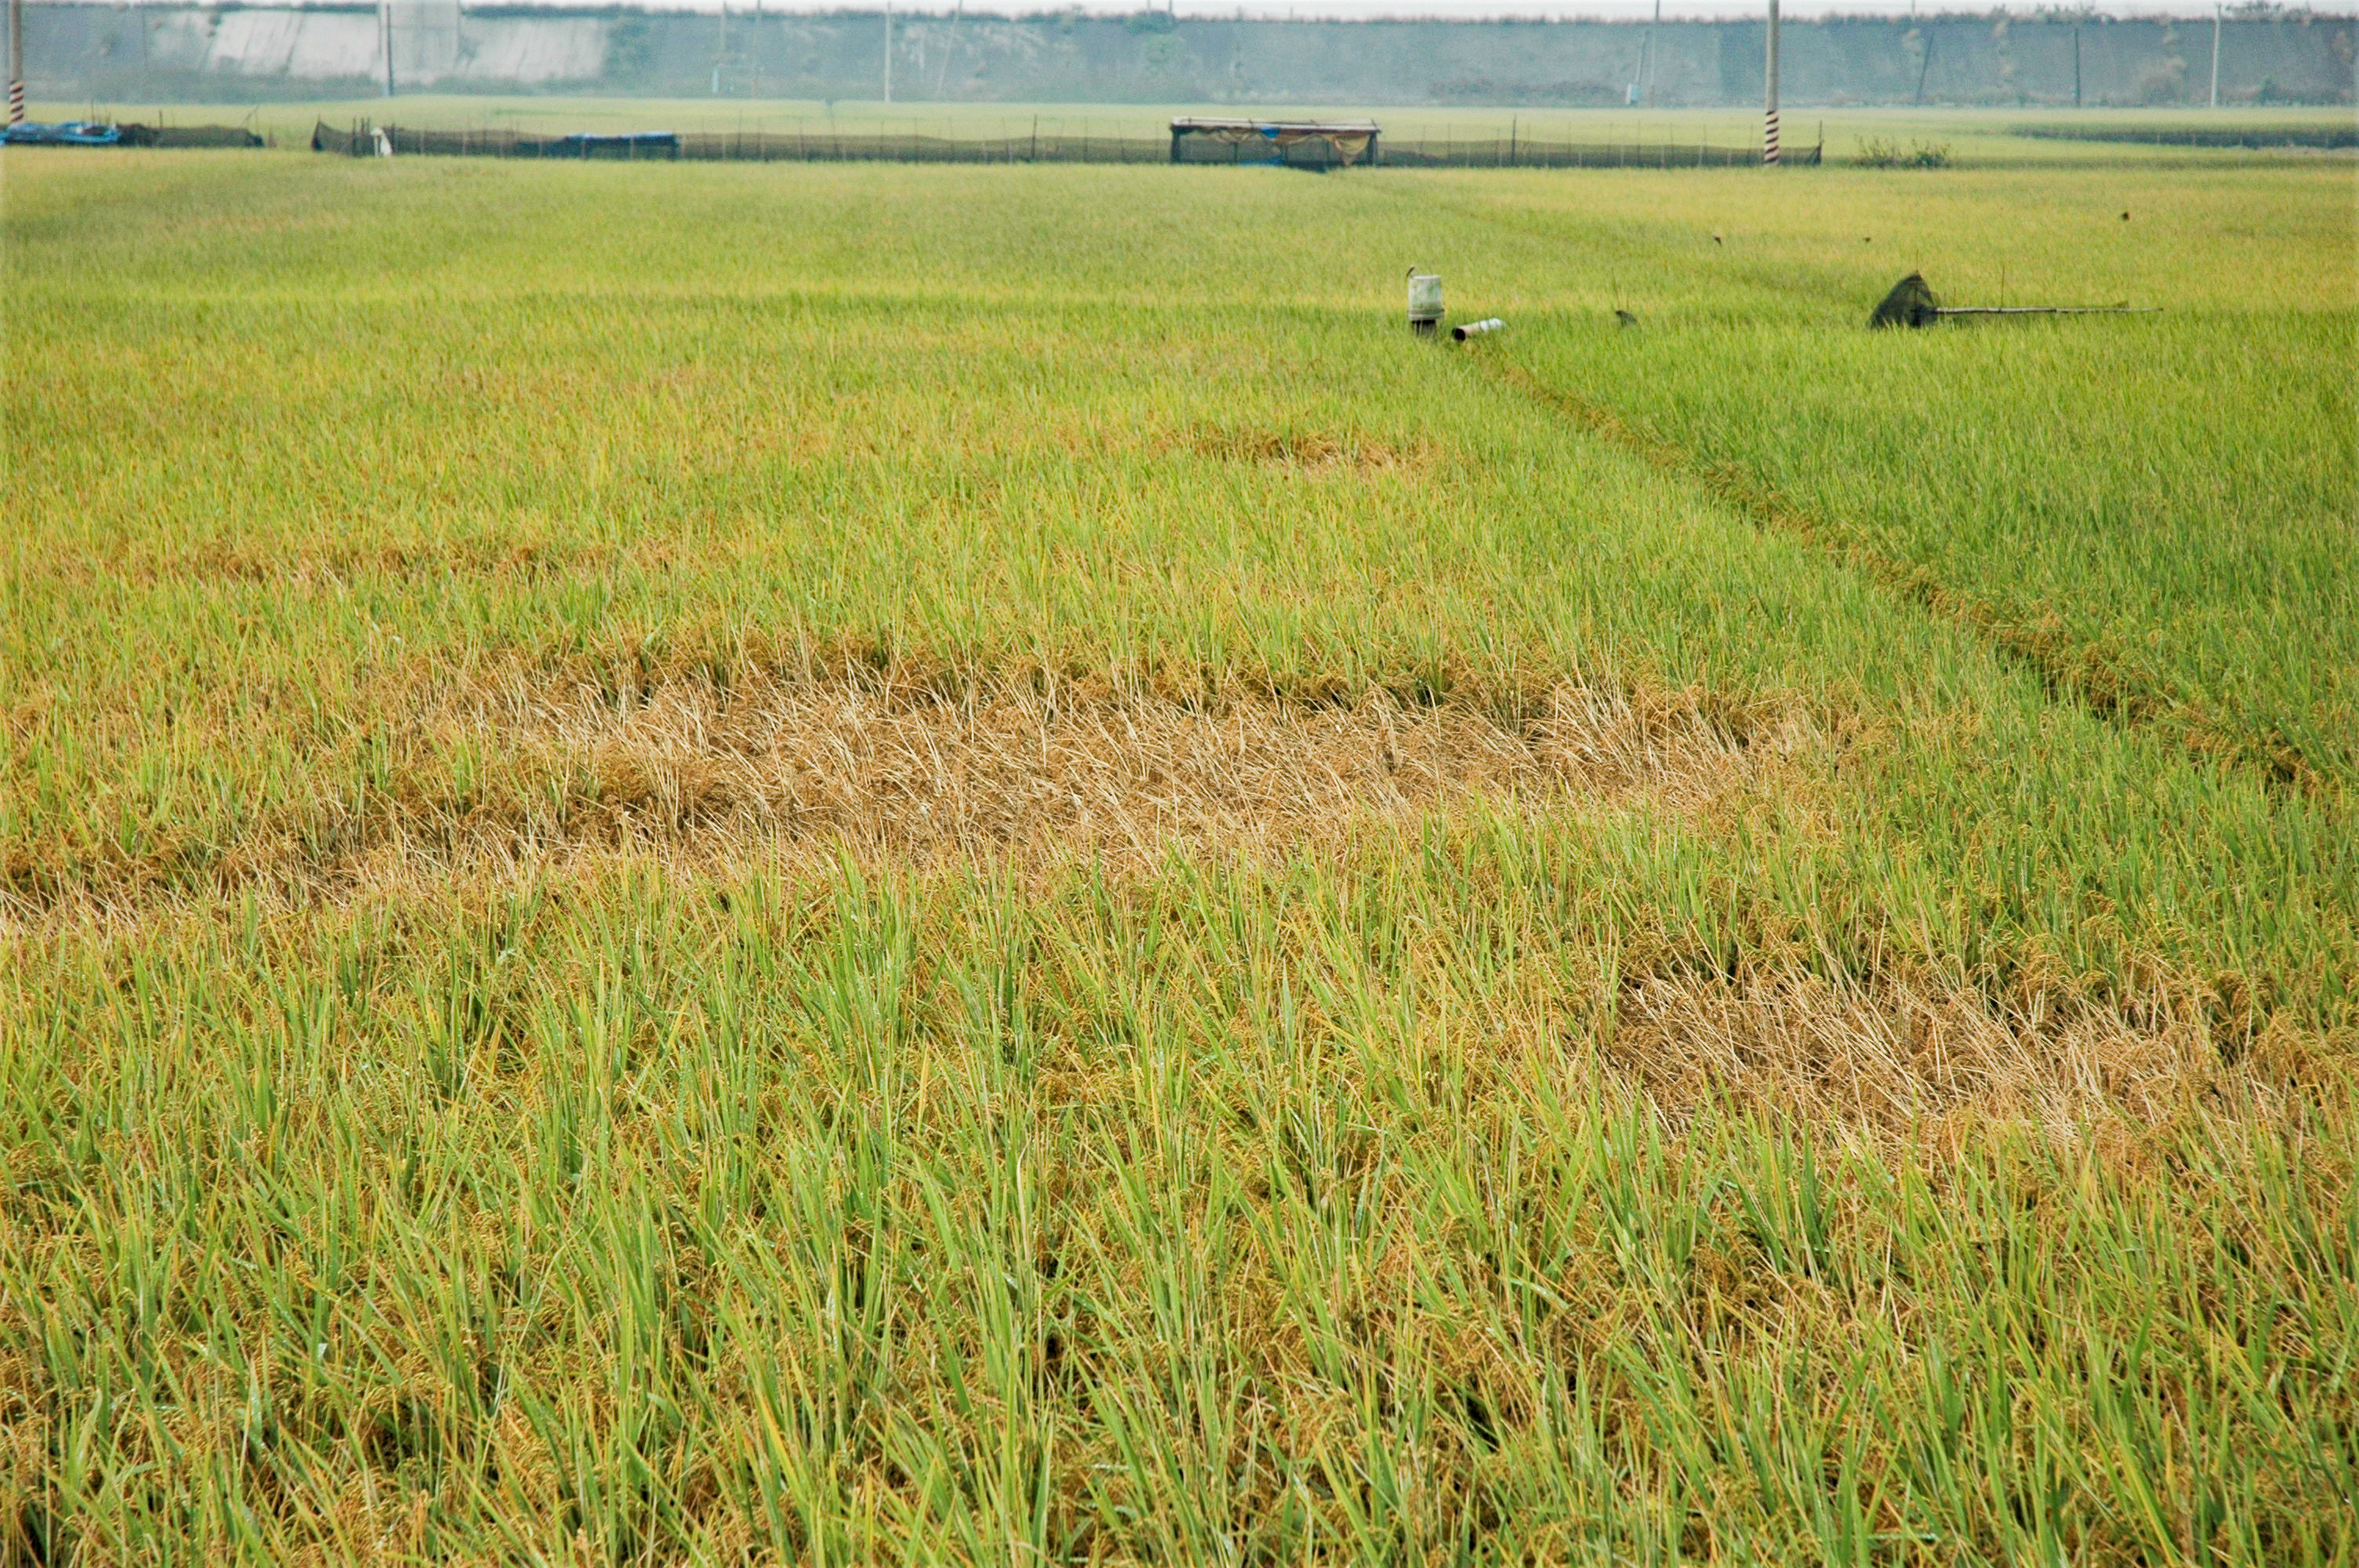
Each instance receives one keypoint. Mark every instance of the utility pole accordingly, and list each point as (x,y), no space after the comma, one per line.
(2215,53)
(15,62)
(888,51)
(1769,115)
(1653,30)
(385,26)
(2076,62)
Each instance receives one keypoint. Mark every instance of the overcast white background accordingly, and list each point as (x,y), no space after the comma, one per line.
(1357,10)
(1361,10)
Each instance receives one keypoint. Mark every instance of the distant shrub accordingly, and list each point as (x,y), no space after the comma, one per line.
(630,50)
(1883,151)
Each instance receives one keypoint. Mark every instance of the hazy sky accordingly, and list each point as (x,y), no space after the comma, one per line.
(1355,9)
(1607,9)
(1615,10)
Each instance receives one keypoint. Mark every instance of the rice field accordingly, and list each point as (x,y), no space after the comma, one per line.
(709,863)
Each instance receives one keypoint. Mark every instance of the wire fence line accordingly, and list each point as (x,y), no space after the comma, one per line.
(1519,153)
(827,146)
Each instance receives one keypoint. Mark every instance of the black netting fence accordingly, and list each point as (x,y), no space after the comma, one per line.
(814,145)
(2244,136)
(819,144)
(189,137)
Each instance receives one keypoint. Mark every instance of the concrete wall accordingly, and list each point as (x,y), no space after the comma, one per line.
(133,51)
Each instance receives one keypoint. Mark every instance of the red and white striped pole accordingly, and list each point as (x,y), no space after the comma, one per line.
(15,62)
(1769,117)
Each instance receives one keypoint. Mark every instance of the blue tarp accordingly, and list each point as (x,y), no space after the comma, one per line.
(63,134)
(616,144)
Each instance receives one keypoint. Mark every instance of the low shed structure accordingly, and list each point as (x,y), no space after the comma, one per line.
(1299,144)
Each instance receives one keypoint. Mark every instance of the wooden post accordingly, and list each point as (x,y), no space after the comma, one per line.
(16,61)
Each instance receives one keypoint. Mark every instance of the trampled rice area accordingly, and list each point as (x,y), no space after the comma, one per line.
(520,772)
